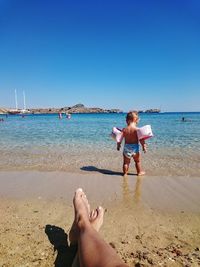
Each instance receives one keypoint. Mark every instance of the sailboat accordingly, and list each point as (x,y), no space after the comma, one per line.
(16,110)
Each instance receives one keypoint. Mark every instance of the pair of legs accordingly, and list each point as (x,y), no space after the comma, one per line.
(93,251)
(126,163)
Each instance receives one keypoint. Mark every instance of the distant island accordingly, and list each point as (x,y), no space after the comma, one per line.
(152,110)
(78,108)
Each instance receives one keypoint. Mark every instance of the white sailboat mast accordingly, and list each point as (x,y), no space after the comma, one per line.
(24,100)
(16,105)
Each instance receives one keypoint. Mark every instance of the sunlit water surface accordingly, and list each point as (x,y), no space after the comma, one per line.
(83,143)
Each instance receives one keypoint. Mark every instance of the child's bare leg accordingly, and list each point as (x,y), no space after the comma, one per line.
(93,250)
(126,164)
(136,158)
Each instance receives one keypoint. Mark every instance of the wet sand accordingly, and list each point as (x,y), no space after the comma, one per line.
(156,219)
(105,159)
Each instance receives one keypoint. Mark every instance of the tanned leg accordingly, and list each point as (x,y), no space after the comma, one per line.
(96,220)
(93,250)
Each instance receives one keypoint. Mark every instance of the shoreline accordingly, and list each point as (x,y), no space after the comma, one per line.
(71,159)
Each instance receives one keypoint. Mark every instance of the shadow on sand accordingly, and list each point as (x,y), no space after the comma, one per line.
(58,238)
(103,171)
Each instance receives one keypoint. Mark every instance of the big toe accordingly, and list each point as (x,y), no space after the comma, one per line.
(79,192)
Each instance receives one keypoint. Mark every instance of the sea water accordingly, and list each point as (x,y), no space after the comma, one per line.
(83,143)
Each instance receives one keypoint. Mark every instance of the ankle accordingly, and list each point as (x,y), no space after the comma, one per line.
(82,224)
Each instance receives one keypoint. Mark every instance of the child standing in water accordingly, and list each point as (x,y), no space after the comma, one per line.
(131,146)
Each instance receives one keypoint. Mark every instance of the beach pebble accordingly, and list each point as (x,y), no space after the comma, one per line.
(138,264)
(159,253)
(112,245)
(150,261)
(124,242)
(145,257)
(178,252)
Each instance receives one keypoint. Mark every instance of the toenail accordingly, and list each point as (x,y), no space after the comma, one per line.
(79,189)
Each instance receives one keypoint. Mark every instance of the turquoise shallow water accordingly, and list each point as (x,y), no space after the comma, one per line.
(47,143)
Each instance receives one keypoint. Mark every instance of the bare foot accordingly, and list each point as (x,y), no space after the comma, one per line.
(141,173)
(95,218)
(81,213)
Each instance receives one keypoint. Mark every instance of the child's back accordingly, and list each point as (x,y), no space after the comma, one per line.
(130,134)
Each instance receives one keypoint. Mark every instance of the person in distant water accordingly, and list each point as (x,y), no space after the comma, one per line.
(1,119)
(68,116)
(60,115)
(131,146)
(183,119)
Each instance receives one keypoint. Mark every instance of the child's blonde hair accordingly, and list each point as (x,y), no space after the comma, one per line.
(132,116)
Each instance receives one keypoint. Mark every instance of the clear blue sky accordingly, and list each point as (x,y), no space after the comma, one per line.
(112,54)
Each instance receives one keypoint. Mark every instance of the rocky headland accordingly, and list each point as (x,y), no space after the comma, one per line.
(78,108)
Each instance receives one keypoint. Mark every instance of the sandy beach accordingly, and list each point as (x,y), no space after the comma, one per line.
(156,219)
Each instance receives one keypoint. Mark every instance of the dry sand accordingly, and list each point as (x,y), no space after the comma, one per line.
(150,221)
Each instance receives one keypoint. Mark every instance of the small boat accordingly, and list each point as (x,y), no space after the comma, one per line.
(16,110)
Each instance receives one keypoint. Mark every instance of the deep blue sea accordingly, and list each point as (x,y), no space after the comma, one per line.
(44,142)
